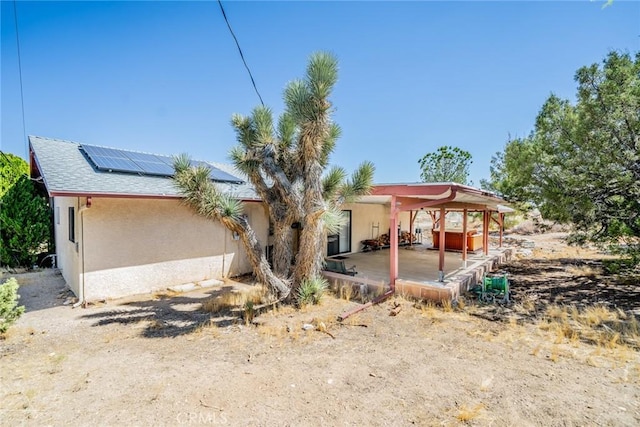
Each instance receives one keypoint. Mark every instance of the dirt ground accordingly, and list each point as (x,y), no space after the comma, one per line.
(161,360)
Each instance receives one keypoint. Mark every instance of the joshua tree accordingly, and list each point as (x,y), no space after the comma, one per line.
(207,200)
(286,166)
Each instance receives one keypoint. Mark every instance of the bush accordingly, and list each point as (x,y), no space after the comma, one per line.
(311,290)
(25,224)
(9,310)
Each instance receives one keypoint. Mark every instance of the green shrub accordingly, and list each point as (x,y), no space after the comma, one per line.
(311,290)
(25,225)
(9,310)
(249,312)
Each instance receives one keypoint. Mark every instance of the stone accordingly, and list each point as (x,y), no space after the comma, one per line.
(211,283)
(184,288)
(530,244)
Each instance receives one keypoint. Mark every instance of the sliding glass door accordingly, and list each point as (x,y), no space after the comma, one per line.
(341,242)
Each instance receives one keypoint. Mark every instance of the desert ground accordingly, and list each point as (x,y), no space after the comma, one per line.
(564,352)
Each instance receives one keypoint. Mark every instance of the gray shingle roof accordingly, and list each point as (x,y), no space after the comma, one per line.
(65,170)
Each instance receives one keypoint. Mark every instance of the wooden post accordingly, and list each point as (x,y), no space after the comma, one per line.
(411,218)
(501,216)
(464,238)
(393,241)
(442,244)
(485,232)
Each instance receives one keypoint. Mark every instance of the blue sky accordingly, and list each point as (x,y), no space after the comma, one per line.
(165,77)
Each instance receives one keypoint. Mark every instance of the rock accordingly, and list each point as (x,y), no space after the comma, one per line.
(184,288)
(308,327)
(530,244)
(210,283)
(525,252)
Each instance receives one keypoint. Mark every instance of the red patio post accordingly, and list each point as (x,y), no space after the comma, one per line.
(433,221)
(411,218)
(442,243)
(393,242)
(485,232)
(464,238)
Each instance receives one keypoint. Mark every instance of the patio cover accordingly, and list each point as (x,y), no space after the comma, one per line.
(441,197)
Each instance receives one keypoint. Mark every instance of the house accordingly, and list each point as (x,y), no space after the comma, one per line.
(121,233)
(121,228)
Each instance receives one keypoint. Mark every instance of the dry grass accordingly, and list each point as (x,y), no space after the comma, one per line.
(156,324)
(429,310)
(597,335)
(274,331)
(526,305)
(587,271)
(207,329)
(597,325)
(164,294)
(224,303)
(345,291)
(536,350)
(467,413)
(614,334)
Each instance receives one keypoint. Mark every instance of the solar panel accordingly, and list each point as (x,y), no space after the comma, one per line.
(222,176)
(166,159)
(116,160)
(92,150)
(110,159)
(217,174)
(156,168)
(143,157)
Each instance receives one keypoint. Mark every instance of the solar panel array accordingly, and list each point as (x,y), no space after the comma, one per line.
(116,160)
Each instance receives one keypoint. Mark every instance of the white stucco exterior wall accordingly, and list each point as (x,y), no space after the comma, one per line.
(365,216)
(134,246)
(67,252)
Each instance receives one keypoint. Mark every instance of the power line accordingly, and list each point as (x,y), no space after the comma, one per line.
(239,50)
(24,126)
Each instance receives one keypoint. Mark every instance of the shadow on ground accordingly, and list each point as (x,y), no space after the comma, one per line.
(40,290)
(167,316)
(571,282)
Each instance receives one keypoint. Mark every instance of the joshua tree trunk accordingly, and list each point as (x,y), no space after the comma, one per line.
(253,248)
(311,252)
(282,248)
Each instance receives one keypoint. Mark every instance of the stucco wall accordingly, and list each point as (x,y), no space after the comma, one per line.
(134,246)
(365,216)
(67,252)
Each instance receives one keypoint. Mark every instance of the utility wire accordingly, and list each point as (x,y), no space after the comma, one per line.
(239,50)
(24,126)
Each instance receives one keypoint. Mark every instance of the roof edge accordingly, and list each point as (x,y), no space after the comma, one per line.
(126,195)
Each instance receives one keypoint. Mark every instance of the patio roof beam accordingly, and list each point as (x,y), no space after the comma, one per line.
(425,203)
(460,206)
(411,190)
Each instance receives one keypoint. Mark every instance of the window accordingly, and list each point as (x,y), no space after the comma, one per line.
(345,233)
(340,242)
(72,224)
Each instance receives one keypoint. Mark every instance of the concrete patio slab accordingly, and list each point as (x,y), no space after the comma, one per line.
(418,271)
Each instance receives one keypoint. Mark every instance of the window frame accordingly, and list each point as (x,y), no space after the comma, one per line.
(72,224)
